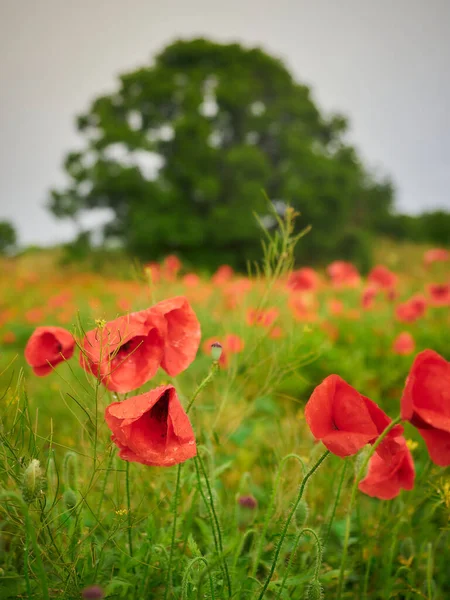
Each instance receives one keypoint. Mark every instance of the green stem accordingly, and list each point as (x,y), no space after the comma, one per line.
(359,475)
(336,501)
(127,482)
(269,511)
(31,535)
(294,550)
(215,521)
(174,531)
(203,384)
(105,480)
(430,572)
(184,585)
(288,521)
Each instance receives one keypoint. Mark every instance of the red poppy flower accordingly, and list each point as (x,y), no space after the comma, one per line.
(335,306)
(265,318)
(303,307)
(171,266)
(368,296)
(47,347)
(404,343)
(412,309)
(381,277)
(303,280)
(343,274)
(385,479)
(125,353)
(152,428)
(182,334)
(344,420)
(223,274)
(191,280)
(436,254)
(153,271)
(426,403)
(439,294)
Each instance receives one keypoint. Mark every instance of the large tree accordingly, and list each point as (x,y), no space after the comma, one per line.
(8,237)
(182,151)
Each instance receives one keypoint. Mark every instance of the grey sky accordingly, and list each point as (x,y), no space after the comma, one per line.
(383,63)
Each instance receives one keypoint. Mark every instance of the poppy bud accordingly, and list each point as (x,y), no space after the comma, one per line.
(246,510)
(216,351)
(70,499)
(70,470)
(93,592)
(407,549)
(301,514)
(314,591)
(33,482)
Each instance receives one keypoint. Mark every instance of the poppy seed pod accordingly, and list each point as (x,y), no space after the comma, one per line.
(216,351)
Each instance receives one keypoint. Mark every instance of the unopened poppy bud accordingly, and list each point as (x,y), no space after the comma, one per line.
(407,549)
(248,502)
(70,468)
(246,510)
(301,514)
(70,499)
(33,481)
(93,592)
(216,351)
(314,591)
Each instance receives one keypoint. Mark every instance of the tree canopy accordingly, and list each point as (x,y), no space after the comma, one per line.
(183,149)
(8,237)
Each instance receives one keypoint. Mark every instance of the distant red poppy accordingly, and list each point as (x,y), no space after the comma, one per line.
(9,337)
(223,274)
(412,309)
(385,478)
(404,343)
(426,403)
(34,315)
(262,317)
(235,291)
(60,300)
(152,428)
(171,266)
(126,352)
(191,280)
(303,307)
(381,277)
(335,306)
(435,255)
(276,332)
(47,347)
(153,271)
(439,294)
(123,304)
(182,334)
(340,417)
(343,274)
(303,280)
(368,296)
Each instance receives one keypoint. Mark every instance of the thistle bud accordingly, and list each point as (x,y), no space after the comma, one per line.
(314,591)
(216,351)
(33,482)
(70,499)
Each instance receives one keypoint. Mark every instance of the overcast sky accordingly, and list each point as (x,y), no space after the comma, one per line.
(383,63)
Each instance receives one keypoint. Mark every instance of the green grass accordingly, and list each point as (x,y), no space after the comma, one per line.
(86,527)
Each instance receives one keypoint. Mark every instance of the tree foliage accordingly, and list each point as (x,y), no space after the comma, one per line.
(183,149)
(8,237)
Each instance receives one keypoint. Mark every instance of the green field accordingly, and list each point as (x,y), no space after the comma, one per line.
(97,520)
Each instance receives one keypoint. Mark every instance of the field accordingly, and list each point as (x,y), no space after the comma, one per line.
(85,523)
